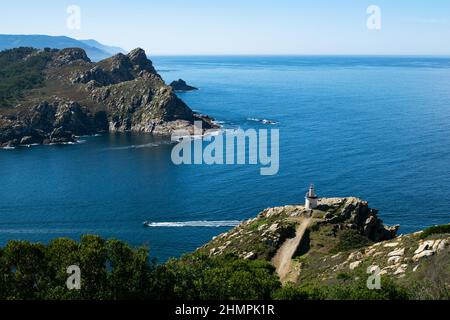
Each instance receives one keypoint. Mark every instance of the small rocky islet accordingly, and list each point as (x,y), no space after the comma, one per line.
(69,96)
(182,86)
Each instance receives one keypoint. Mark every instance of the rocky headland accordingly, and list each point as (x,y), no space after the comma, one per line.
(53,96)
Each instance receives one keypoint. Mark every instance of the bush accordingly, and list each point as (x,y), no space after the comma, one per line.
(109,270)
(20,69)
(198,276)
(435,230)
(113,270)
(307,292)
(358,291)
(349,240)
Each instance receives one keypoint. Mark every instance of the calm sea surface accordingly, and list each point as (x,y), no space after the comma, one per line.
(376,128)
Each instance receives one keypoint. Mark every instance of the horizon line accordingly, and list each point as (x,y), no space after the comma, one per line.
(438,55)
(443,55)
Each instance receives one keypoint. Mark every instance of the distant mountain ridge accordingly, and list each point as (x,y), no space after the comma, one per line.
(95,50)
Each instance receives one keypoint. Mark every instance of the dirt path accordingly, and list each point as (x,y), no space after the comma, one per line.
(283,259)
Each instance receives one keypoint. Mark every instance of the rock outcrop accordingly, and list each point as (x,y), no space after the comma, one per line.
(59,122)
(264,234)
(356,214)
(181,85)
(78,97)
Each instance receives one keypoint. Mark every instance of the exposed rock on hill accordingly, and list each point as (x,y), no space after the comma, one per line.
(264,234)
(343,239)
(69,96)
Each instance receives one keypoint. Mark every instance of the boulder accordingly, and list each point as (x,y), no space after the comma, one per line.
(394,260)
(398,252)
(424,246)
(60,135)
(354,265)
(422,254)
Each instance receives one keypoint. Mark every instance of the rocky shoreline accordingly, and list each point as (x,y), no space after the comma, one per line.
(77,97)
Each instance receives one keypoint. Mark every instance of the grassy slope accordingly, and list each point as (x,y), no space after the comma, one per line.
(20,70)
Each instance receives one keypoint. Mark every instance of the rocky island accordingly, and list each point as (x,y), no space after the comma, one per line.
(181,85)
(52,96)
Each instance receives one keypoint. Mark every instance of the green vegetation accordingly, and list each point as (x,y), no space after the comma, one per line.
(198,276)
(20,69)
(350,239)
(357,290)
(112,270)
(109,270)
(305,292)
(445,228)
(344,290)
(256,224)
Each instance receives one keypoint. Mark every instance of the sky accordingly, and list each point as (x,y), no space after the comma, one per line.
(209,27)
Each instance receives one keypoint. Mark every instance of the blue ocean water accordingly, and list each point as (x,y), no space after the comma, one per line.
(372,127)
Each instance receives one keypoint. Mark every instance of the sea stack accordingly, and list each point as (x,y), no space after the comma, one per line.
(181,85)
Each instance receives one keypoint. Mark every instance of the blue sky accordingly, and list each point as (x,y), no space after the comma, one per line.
(242,26)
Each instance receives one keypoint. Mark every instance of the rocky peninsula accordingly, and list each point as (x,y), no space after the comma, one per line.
(338,242)
(52,96)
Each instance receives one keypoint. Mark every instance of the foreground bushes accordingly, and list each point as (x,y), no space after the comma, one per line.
(113,270)
(344,291)
(350,239)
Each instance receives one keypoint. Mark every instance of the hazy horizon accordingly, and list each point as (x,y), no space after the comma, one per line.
(286,27)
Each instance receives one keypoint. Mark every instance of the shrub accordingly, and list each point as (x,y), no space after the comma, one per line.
(358,291)
(20,69)
(350,239)
(435,230)
(198,276)
(306,292)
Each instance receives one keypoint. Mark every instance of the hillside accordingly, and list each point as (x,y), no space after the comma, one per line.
(334,246)
(95,50)
(52,96)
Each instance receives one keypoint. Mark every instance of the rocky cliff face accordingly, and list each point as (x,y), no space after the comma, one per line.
(78,97)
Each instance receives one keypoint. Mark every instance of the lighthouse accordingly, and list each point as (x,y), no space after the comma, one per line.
(311,198)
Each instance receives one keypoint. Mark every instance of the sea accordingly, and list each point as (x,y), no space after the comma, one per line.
(374,127)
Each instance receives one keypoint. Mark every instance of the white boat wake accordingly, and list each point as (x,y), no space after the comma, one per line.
(263,121)
(205,224)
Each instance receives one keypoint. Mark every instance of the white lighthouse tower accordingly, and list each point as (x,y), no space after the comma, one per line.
(311,198)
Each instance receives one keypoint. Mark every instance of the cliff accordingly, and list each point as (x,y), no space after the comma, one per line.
(336,244)
(52,96)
